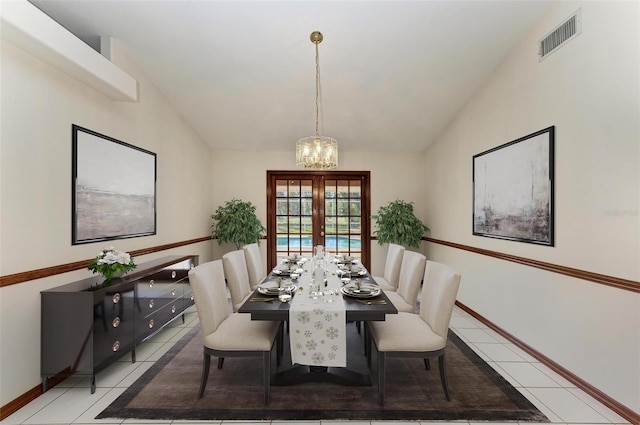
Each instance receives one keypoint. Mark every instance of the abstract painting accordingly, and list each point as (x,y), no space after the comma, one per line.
(114,189)
(513,190)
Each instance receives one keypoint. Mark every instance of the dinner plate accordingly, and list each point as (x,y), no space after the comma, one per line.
(272,288)
(365,291)
(349,260)
(352,273)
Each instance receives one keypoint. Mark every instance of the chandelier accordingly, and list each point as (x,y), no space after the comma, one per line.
(320,152)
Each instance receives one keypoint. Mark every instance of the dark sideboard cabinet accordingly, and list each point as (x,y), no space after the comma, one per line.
(83,331)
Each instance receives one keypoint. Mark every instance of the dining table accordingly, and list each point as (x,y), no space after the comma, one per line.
(338,291)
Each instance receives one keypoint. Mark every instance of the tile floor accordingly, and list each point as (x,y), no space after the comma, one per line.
(563,403)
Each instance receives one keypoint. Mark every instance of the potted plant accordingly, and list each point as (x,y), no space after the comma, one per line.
(236,222)
(396,223)
(111,263)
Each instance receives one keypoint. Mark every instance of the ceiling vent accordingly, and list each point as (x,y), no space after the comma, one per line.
(561,35)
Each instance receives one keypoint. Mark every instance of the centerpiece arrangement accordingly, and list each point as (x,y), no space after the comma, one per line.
(111,263)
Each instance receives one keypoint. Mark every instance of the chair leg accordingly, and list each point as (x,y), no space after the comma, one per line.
(381,369)
(266,375)
(205,374)
(427,364)
(220,362)
(358,323)
(443,376)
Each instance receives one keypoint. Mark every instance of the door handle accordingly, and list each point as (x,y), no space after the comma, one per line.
(321,233)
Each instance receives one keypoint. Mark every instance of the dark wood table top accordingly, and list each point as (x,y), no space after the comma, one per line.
(355,310)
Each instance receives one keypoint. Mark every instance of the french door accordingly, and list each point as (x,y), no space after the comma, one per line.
(309,208)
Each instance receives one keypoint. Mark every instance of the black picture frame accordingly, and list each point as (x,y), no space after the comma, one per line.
(113,188)
(513,190)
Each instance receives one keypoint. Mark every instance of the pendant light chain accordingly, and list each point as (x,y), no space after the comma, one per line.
(319,152)
(317,88)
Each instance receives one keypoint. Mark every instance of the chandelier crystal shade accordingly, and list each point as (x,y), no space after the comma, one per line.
(318,152)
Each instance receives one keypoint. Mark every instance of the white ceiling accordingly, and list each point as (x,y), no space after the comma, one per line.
(242,73)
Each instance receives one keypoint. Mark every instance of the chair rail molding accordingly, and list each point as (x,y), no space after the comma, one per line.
(616,282)
(15,278)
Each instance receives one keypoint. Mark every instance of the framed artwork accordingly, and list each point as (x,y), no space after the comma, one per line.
(513,190)
(113,189)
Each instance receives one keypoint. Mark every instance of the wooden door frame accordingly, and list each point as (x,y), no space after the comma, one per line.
(273,175)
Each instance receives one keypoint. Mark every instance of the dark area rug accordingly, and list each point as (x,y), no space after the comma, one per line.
(168,390)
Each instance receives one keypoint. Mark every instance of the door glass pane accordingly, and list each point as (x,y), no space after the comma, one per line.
(343,224)
(281,188)
(294,216)
(294,206)
(282,224)
(306,188)
(306,207)
(306,225)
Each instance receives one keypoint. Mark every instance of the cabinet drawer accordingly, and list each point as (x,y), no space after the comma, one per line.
(152,322)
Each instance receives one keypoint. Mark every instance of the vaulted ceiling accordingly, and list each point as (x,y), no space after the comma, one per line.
(242,73)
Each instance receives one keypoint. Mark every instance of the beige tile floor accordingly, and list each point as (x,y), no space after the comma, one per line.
(72,403)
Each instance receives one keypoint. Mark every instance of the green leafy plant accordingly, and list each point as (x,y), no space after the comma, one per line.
(236,222)
(110,263)
(396,223)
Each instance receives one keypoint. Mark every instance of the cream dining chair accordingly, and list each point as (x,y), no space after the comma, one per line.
(255,269)
(235,271)
(227,334)
(422,335)
(389,280)
(411,273)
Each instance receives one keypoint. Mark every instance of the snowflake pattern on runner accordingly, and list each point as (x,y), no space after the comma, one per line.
(317,330)
(332,333)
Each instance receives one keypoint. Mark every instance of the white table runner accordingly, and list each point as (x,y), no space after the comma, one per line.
(317,327)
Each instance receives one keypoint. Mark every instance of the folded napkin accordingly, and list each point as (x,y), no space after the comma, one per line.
(317,331)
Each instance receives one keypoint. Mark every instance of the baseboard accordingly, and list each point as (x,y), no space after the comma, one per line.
(603,398)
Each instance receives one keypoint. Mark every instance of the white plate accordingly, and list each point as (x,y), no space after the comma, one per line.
(272,288)
(360,272)
(349,291)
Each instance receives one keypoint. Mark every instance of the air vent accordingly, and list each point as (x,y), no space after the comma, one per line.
(562,34)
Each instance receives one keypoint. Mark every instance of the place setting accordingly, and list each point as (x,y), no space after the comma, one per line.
(357,289)
(279,289)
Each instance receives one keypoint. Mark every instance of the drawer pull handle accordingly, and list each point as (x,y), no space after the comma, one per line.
(116,322)
(150,303)
(151,282)
(116,298)
(173,309)
(116,346)
(173,274)
(173,292)
(151,324)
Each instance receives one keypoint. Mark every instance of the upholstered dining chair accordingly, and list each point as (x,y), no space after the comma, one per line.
(389,280)
(411,273)
(422,335)
(254,264)
(235,271)
(227,334)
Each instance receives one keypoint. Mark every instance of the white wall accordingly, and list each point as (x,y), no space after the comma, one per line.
(590,90)
(393,176)
(39,104)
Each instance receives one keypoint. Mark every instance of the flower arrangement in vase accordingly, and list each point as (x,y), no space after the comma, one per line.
(111,263)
